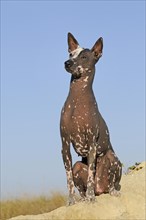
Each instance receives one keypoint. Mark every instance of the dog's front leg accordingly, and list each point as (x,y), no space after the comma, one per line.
(67,159)
(90,194)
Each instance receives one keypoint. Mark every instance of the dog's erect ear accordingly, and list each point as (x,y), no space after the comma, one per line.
(97,48)
(72,43)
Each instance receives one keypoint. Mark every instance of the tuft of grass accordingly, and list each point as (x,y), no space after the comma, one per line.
(31,206)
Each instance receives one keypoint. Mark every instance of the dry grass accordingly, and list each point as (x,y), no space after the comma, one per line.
(31,206)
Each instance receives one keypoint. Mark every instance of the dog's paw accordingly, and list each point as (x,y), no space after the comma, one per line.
(114,192)
(90,199)
(82,199)
(90,196)
(71,200)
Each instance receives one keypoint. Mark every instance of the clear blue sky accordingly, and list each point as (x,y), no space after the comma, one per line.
(35,84)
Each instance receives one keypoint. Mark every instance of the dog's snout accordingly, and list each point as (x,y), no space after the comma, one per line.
(68,63)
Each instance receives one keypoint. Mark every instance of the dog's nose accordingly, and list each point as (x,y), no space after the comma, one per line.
(68,63)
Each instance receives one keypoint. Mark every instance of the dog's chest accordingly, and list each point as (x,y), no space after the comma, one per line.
(79,123)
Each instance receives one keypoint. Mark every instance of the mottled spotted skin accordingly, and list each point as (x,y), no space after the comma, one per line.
(107,175)
(81,123)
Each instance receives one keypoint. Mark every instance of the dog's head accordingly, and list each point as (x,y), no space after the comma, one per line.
(82,61)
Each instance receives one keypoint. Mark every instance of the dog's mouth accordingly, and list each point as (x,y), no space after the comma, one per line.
(77,72)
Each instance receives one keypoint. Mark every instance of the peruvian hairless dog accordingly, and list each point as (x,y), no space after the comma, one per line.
(83,126)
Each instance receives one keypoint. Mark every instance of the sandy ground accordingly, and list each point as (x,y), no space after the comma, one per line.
(130,205)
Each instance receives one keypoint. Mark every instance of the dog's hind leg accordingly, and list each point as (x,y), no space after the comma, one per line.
(115,172)
(80,174)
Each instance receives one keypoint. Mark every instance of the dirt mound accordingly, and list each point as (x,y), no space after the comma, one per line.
(130,205)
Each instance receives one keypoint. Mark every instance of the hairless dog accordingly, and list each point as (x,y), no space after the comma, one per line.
(83,126)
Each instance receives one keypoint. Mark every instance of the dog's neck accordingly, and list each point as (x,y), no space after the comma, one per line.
(82,85)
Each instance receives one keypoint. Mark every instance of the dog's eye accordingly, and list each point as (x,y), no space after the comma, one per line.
(70,54)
